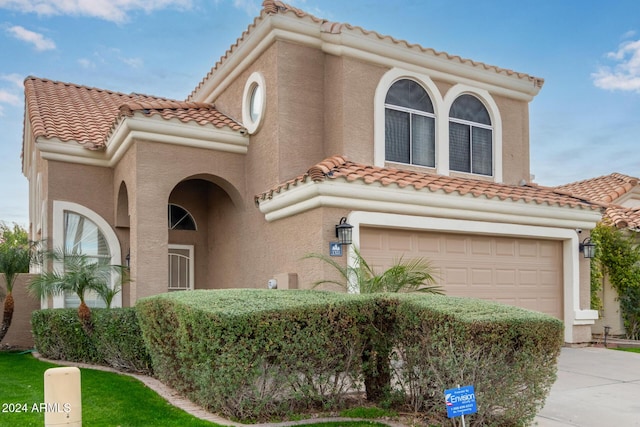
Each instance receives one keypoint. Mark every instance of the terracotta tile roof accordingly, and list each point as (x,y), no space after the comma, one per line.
(603,189)
(336,167)
(87,115)
(606,190)
(623,217)
(273,7)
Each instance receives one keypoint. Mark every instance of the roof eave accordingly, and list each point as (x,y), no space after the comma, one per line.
(367,46)
(357,195)
(140,127)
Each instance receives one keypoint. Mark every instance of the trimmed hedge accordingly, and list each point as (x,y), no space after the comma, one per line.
(251,354)
(508,354)
(116,339)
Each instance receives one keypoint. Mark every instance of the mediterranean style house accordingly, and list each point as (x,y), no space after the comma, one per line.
(302,125)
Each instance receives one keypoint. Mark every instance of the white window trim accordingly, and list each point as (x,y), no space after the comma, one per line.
(441,107)
(573,314)
(59,208)
(496,124)
(189,248)
(256,79)
(389,78)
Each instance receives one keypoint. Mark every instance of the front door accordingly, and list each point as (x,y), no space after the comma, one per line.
(180,267)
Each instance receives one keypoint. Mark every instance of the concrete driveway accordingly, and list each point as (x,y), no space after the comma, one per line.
(596,387)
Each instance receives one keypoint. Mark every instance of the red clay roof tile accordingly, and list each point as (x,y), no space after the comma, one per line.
(338,167)
(606,190)
(87,115)
(272,7)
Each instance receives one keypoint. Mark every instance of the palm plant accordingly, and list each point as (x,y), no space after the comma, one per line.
(80,274)
(415,275)
(14,259)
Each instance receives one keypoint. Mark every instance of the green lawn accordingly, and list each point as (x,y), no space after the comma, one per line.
(108,399)
(629,349)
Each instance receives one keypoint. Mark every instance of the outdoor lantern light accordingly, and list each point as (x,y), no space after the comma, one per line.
(588,248)
(343,231)
(127,259)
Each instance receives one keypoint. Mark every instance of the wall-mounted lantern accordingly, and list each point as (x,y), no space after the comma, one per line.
(344,232)
(588,248)
(127,259)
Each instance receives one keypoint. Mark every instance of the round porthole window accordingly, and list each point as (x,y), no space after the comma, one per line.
(253,102)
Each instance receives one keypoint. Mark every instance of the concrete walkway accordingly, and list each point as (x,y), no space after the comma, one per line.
(596,387)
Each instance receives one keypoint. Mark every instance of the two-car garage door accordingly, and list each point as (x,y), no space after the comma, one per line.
(517,271)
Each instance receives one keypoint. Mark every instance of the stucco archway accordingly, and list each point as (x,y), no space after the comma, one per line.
(203,212)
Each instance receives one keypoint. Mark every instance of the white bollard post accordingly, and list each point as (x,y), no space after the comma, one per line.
(62,397)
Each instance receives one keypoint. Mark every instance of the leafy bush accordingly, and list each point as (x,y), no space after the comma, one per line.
(508,354)
(58,335)
(252,354)
(116,340)
(618,258)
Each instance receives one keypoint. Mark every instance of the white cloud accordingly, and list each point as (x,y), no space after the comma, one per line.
(14,78)
(133,62)
(40,42)
(86,63)
(109,10)
(9,98)
(625,74)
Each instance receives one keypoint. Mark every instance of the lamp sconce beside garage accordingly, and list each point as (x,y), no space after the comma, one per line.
(588,248)
(344,232)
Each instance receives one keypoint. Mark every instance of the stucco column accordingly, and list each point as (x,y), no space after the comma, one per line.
(149,237)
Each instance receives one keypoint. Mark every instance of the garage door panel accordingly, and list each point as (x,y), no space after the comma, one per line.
(515,271)
(482,276)
(481,247)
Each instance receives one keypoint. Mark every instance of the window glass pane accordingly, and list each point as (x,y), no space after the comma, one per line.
(82,236)
(482,154)
(255,103)
(424,141)
(409,94)
(468,107)
(459,147)
(397,136)
(180,219)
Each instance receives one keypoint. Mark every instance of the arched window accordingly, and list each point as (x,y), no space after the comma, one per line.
(180,218)
(470,137)
(83,236)
(409,124)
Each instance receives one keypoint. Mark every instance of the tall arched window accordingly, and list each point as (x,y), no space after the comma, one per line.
(470,137)
(83,236)
(409,124)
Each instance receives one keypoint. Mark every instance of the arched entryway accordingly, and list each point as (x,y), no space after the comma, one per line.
(201,217)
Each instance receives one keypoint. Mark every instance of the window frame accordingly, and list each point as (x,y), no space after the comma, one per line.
(441,107)
(255,85)
(59,209)
(412,112)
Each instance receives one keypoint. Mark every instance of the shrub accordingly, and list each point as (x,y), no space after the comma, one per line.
(58,335)
(508,354)
(116,340)
(254,353)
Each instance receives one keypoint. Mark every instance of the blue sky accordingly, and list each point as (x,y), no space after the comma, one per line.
(584,123)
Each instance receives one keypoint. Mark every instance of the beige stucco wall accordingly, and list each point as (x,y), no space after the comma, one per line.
(19,334)
(610,314)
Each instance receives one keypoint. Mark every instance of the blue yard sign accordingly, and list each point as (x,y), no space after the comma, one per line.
(460,401)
